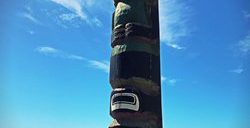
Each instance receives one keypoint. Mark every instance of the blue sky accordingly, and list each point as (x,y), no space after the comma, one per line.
(55,61)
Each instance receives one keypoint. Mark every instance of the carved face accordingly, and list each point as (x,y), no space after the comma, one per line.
(130,11)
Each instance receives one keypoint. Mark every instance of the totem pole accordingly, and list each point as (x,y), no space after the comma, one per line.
(135,101)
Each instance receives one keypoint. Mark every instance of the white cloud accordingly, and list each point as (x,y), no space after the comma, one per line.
(245,44)
(78,9)
(58,53)
(175,46)
(47,50)
(100,65)
(246,14)
(172,82)
(50,51)
(28,9)
(163,79)
(31,18)
(68,16)
(74,6)
(90,2)
(174,17)
(97,22)
(168,81)
(31,32)
(29,15)
(75,57)
(238,70)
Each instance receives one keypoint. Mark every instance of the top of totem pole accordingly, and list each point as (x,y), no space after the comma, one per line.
(148,2)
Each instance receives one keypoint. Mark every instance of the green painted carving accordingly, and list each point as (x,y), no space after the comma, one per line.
(146,86)
(135,12)
(129,11)
(136,44)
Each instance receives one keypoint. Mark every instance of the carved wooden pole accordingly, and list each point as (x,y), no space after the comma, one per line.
(135,65)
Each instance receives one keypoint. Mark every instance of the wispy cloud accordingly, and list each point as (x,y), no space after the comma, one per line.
(28,14)
(53,52)
(174,18)
(246,14)
(238,70)
(163,79)
(68,16)
(102,65)
(172,82)
(47,50)
(31,18)
(74,6)
(96,22)
(78,9)
(245,44)
(50,51)
(168,81)
(31,32)
(75,57)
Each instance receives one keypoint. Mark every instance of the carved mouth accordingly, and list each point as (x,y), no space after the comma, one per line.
(124,99)
(127,101)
